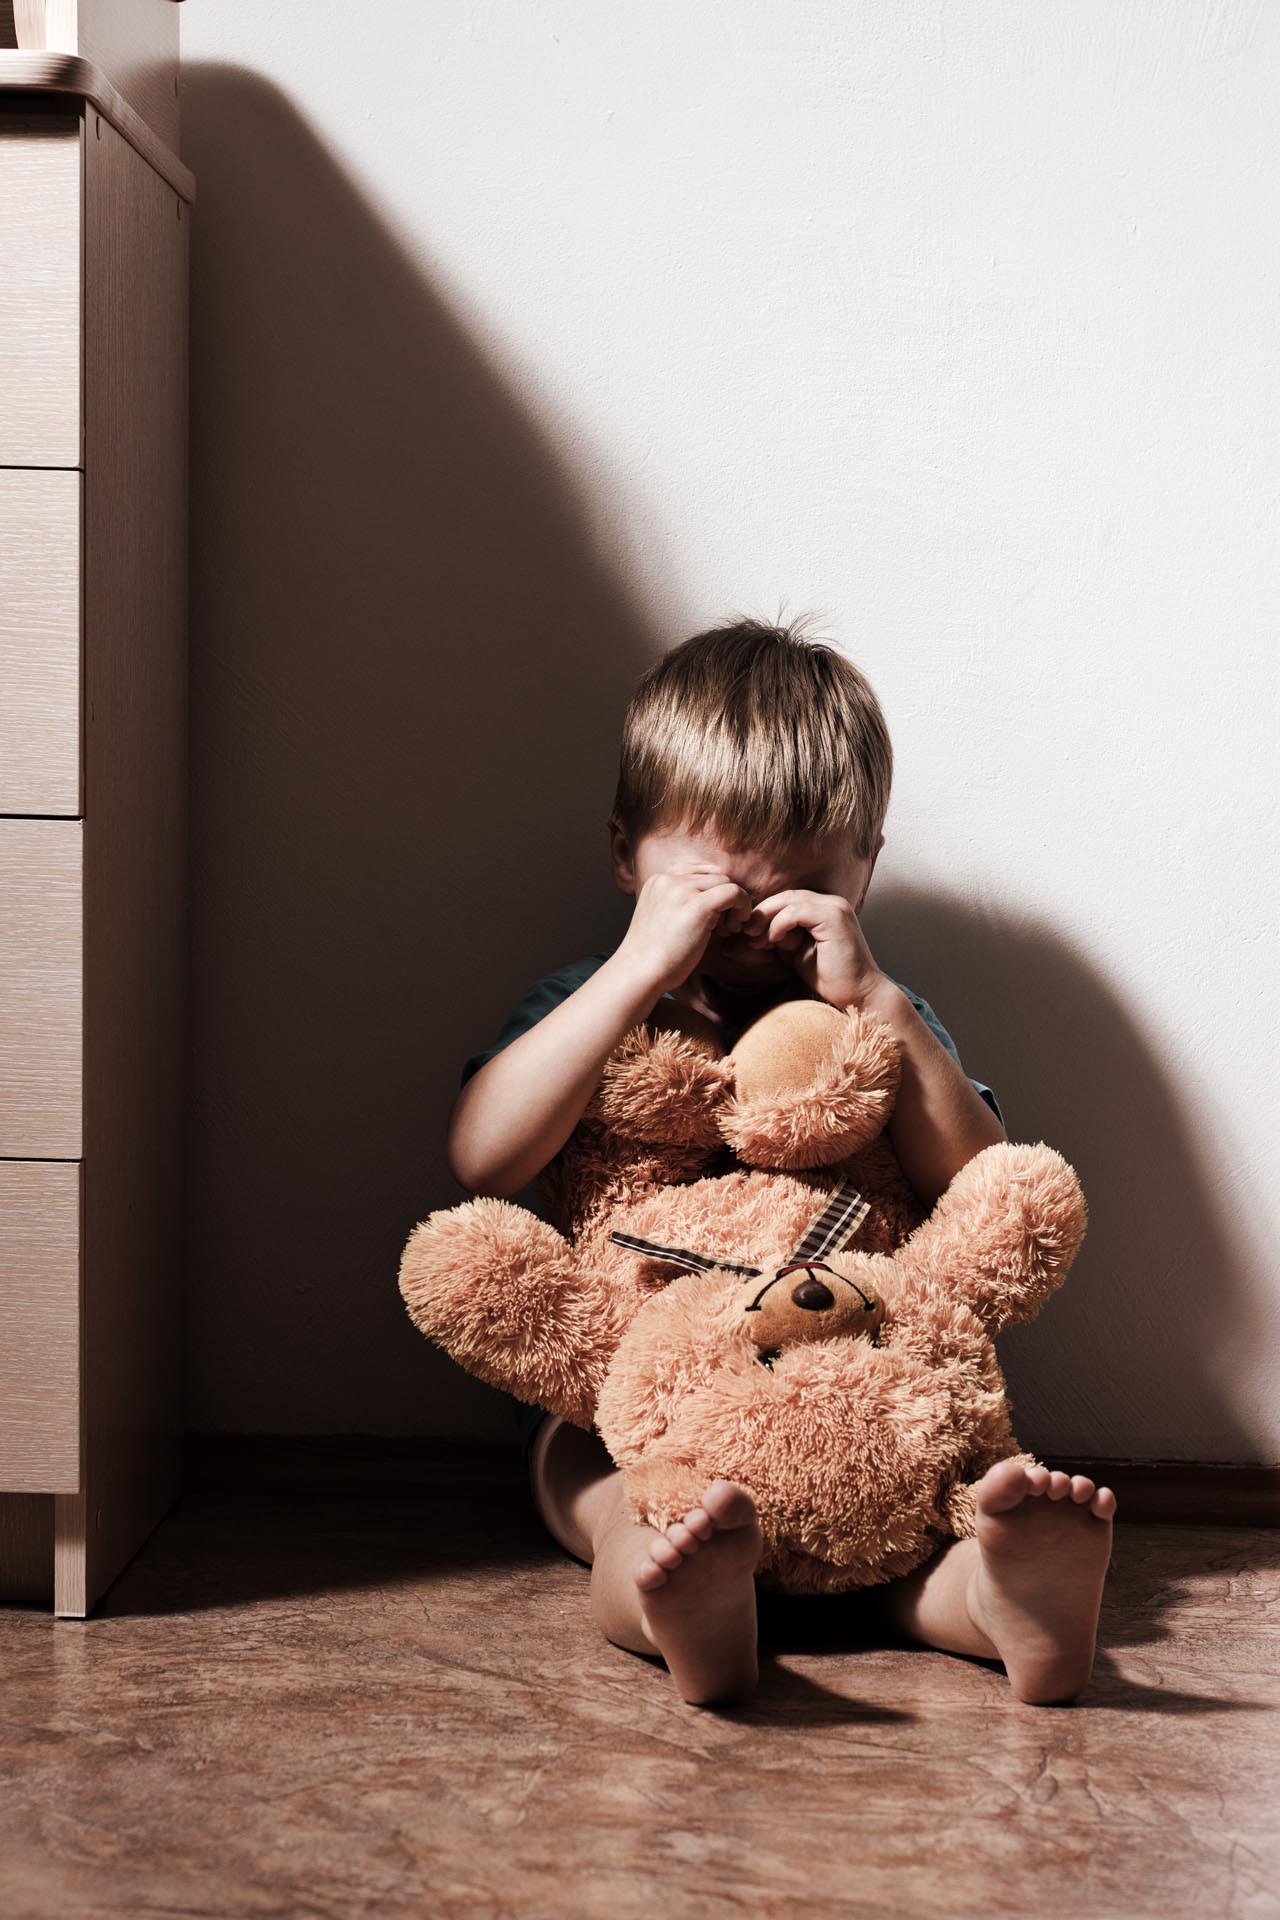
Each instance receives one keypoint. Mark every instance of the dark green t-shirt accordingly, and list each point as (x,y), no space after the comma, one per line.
(555,987)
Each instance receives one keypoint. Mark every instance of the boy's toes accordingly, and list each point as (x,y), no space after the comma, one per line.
(1059,1484)
(682,1537)
(650,1575)
(1006,1485)
(1086,1493)
(728,1504)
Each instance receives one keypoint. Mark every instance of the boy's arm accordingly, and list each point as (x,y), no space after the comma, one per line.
(939,1120)
(516,1113)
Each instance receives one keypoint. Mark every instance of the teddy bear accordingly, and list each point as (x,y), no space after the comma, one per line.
(735,1280)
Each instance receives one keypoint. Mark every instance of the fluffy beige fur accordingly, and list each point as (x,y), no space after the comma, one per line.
(861,1448)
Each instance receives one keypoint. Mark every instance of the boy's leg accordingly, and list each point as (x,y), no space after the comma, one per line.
(687,1595)
(1026,1590)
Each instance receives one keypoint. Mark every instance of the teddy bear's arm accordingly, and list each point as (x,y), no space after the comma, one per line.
(651,1122)
(505,1295)
(1001,1238)
(660,1087)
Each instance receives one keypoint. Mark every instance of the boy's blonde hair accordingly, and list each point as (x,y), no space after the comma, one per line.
(762,735)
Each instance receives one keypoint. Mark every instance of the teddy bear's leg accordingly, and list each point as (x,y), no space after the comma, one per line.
(1002,1237)
(504,1294)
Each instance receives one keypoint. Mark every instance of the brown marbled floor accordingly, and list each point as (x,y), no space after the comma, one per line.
(385,1697)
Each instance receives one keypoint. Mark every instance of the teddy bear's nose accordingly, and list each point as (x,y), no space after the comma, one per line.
(812,1294)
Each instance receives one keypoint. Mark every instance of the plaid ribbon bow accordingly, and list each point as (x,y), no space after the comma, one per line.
(833,1228)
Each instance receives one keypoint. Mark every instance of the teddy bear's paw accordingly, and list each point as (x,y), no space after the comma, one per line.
(812,1086)
(503,1293)
(663,1088)
(1003,1236)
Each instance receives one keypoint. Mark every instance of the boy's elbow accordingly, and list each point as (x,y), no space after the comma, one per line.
(464,1151)
(459,1154)
(468,1171)
(480,1177)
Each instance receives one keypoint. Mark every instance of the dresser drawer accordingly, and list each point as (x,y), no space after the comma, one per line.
(39,640)
(41,864)
(39,290)
(39,1326)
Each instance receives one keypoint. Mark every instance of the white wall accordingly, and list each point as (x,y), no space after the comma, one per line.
(529,338)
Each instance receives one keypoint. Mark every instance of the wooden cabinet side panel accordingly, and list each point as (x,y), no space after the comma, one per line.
(135,546)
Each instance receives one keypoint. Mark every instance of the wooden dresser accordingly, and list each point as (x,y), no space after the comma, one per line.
(94,225)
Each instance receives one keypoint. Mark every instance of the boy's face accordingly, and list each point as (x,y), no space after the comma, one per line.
(815,864)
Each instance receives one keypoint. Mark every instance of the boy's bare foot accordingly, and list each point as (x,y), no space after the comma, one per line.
(698,1591)
(1044,1543)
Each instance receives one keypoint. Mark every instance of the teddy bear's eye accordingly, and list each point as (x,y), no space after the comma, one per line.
(768,1355)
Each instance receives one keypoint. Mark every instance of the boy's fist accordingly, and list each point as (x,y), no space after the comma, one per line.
(674,917)
(819,934)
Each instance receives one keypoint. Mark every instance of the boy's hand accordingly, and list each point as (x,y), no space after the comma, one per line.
(820,936)
(674,917)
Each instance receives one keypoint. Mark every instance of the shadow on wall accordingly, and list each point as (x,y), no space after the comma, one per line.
(1140,1353)
(408,674)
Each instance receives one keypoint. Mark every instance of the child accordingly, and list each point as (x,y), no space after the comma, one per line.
(755,777)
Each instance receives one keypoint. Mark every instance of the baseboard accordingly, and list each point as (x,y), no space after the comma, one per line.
(1179,1492)
(1198,1493)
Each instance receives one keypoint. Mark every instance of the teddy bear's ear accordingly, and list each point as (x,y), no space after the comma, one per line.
(813,1085)
(662,1089)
